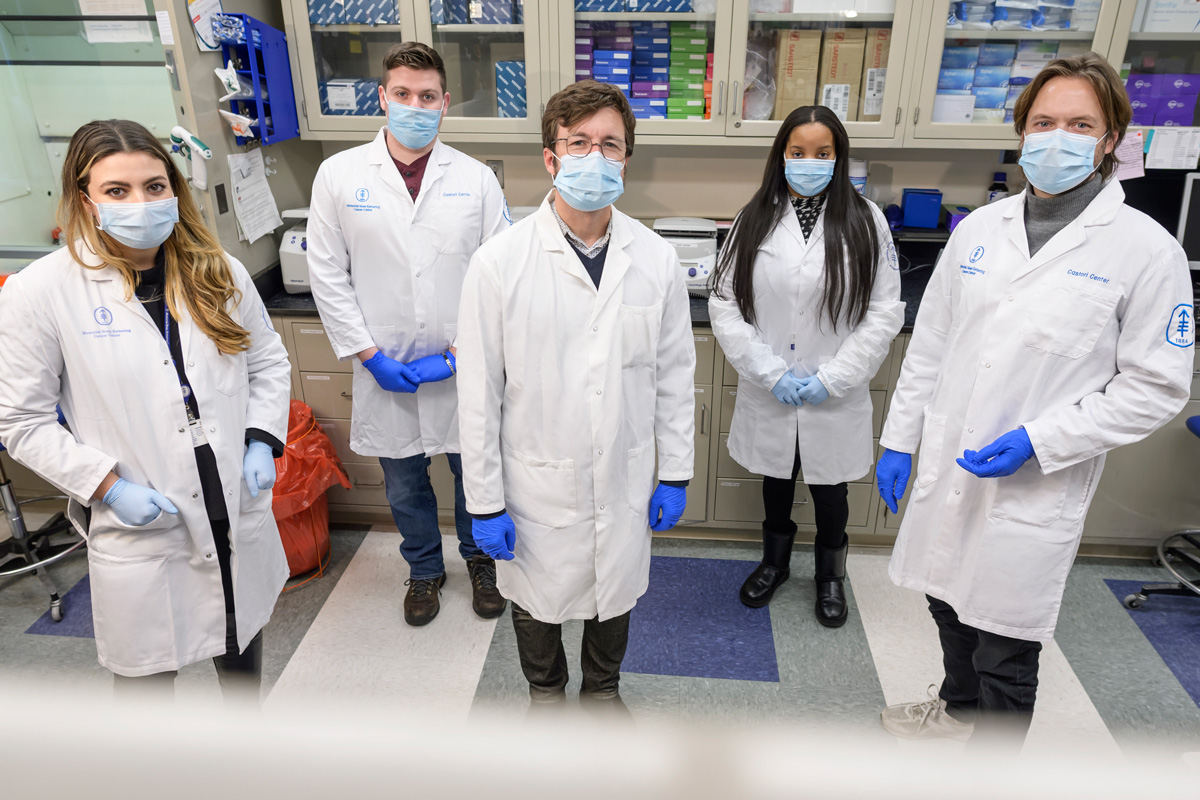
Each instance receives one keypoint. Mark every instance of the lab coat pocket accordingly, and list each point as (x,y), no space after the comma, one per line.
(640,477)
(1029,497)
(230,372)
(542,492)
(162,536)
(384,337)
(449,333)
(1020,571)
(1066,321)
(930,455)
(639,334)
(131,610)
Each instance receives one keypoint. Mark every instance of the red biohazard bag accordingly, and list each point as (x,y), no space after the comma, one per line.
(308,467)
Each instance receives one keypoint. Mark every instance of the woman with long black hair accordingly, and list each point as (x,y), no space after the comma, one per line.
(805,303)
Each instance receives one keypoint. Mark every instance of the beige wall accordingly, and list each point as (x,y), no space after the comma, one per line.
(716,181)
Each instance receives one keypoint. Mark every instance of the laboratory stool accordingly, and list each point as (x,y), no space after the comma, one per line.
(1180,550)
(32,552)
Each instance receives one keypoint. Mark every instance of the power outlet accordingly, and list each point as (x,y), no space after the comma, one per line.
(498,168)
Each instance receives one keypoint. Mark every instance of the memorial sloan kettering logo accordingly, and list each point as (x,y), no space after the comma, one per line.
(104,318)
(361,196)
(970,268)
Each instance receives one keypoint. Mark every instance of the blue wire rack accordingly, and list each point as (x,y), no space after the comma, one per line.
(260,55)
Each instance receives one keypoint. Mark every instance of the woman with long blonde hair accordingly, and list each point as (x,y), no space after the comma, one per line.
(175,388)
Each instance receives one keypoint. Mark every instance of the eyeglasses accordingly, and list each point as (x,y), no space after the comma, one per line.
(580,146)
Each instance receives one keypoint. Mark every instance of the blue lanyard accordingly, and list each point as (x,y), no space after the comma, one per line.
(187,390)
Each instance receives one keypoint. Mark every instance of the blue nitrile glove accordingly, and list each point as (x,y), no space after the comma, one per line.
(391,374)
(258,467)
(496,536)
(787,390)
(432,369)
(1001,458)
(812,391)
(669,502)
(891,476)
(136,505)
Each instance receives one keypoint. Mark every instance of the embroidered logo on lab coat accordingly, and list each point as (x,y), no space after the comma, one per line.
(1181,330)
(102,316)
(976,254)
(362,195)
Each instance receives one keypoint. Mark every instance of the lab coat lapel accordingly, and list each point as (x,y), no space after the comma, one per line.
(792,225)
(439,157)
(1100,211)
(388,174)
(616,262)
(556,245)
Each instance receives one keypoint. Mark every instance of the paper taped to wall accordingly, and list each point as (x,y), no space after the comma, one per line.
(253,204)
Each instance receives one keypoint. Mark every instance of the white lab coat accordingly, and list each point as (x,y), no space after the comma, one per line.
(387,272)
(69,336)
(793,333)
(564,391)
(1075,345)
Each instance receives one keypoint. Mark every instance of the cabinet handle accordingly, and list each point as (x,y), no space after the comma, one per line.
(703,416)
(736,114)
(803,502)
(721,103)
(364,483)
(347,395)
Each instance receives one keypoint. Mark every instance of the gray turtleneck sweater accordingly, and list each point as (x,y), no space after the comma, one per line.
(1046,216)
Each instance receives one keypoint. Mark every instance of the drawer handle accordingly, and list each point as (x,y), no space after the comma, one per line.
(703,417)
(347,395)
(803,502)
(364,483)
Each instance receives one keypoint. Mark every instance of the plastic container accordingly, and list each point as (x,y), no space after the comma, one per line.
(858,175)
(999,189)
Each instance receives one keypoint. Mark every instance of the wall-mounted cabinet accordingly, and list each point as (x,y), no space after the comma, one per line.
(920,73)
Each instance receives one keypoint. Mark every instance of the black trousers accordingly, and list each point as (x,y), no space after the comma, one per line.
(240,674)
(829,502)
(990,679)
(544,662)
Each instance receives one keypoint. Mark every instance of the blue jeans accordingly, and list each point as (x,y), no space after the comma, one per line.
(414,508)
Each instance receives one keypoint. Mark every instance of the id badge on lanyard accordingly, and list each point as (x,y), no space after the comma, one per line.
(195,424)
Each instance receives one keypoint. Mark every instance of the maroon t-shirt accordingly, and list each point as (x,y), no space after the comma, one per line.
(412,173)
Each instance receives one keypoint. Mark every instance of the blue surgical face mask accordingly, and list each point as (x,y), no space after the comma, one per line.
(413,127)
(141,226)
(589,183)
(808,176)
(1056,161)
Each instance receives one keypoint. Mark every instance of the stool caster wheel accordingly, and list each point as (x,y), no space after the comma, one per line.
(1134,600)
(56,612)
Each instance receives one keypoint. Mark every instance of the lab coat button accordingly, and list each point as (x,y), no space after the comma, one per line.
(208,555)
(595,328)
(599,391)
(181,430)
(212,428)
(600,452)
(601,506)
(1010,299)
(970,430)
(418,274)
(167,363)
(956,491)
(191,363)
(422,324)
(195,495)
(987,365)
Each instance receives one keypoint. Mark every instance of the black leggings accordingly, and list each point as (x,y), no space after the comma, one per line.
(829,502)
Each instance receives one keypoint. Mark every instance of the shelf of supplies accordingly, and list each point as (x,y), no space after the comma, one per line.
(827,16)
(1164,37)
(643,16)
(1063,36)
(459,27)
(355,28)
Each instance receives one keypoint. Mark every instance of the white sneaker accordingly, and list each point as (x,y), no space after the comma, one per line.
(925,720)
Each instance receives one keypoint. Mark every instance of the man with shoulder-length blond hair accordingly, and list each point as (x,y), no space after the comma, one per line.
(1057,326)
(576,360)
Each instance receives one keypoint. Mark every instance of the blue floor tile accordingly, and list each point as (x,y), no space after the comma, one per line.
(77,614)
(1172,626)
(690,623)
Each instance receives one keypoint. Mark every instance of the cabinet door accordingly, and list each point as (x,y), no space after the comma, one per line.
(337,50)
(974,68)
(1156,43)
(672,65)
(493,51)
(697,492)
(848,56)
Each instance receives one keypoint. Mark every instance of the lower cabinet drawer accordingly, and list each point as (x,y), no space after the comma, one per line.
(338,431)
(329,394)
(367,480)
(741,501)
(728,468)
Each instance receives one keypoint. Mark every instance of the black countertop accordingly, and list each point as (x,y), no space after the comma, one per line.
(912,286)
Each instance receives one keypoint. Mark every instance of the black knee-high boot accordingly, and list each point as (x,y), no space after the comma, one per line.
(774,569)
